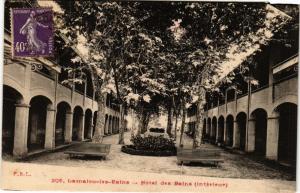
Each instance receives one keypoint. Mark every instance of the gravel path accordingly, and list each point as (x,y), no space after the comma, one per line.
(234,165)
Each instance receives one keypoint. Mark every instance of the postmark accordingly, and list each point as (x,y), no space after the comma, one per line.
(32,32)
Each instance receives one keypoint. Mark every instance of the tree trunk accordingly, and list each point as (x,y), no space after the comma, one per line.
(140,125)
(176,119)
(100,121)
(182,123)
(169,125)
(197,138)
(140,116)
(122,125)
(145,121)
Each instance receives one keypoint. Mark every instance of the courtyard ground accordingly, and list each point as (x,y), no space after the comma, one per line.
(234,165)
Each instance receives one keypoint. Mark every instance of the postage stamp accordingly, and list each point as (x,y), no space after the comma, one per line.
(32,32)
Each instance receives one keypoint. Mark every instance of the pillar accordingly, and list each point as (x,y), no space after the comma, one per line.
(251,136)
(21,130)
(217,131)
(236,135)
(90,129)
(81,127)
(272,137)
(68,127)
(50,129)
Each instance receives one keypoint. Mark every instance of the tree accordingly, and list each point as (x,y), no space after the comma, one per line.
(118,53)
(150,63)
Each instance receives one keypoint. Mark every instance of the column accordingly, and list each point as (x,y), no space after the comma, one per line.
(227,137)
(236,135)
(68,127)
(85,88)
(251,136)
(272,138)
(90,129)
(217,131)
(21,130)
(81,127)
(50,129)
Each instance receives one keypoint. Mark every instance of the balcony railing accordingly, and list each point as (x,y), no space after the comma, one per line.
(284,61)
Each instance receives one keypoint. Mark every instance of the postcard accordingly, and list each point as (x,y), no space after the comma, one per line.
(150,96)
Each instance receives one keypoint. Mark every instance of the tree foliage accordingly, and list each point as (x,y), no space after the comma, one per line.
(164,54)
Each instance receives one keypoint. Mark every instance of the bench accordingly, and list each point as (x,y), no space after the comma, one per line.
(186,156)
(89,149)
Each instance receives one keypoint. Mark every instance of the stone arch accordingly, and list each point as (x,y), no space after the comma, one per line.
(229,130)
(221,122)
(64,100)
(259,118)
(293,99)
(11,82)
(240,137)
(78,121)
(40,107)
(286,125)
(42,92)
(62,121)
(11,97)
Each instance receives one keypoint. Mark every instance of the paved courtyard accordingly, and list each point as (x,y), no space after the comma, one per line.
(234,165)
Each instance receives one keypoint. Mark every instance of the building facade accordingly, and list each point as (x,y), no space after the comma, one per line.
(260,119)
(40,113)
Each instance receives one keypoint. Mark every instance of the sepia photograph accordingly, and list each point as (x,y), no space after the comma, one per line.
(182,96)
